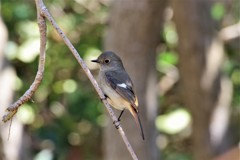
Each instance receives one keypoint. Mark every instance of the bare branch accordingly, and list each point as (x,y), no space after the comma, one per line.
(91,78)
(12,109)
(42,14)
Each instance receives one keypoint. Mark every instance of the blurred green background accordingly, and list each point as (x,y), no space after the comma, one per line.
(65,116)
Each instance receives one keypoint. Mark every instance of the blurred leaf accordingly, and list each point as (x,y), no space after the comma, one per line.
(177,156)
(65,97)
(74,139)
(11,50)
(166,60)
(28,29)
(236,77)
(29,50)
(57,109)
(26,114)
(45,154)
(18,84)
(218,11)
(69,86)
(170,34)
(236,12)
(58,87)
(23,10)
(173,122)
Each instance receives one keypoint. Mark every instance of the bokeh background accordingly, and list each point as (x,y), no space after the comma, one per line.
(183,57)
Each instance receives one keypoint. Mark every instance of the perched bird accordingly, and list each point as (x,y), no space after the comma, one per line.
(117,85)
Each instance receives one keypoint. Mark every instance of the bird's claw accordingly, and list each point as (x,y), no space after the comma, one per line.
(105,98)
(117,124)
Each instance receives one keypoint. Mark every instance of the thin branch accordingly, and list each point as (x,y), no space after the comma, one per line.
(42,14)
(46,13)
(12,109)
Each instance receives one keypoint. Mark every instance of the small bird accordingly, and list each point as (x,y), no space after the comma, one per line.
(117,86)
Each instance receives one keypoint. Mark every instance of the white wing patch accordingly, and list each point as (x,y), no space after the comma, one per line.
(123,85)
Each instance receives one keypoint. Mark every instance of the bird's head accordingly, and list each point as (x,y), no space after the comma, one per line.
(109,61)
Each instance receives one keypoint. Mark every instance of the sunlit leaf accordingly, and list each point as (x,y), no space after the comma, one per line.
(170,34)
(57,109)
(69,86)
(45,154)
(173,122)
(218,11)
(18,84)
(26,114)
(11,50)
(29,50)
(166,60)
(28,29)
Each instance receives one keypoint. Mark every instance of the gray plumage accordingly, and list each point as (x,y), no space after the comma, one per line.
(117,85)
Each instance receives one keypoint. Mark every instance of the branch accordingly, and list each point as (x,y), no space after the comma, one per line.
(91,78)
(12,109)
(43,13)
(230,32)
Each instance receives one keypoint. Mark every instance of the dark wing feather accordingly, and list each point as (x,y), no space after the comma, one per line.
(114,78)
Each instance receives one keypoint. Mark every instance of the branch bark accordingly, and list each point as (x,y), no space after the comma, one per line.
(43,13)
(12,109)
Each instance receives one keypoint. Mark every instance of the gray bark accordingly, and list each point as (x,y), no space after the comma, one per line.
(200,56)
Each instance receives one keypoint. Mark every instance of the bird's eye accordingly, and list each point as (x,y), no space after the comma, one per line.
(106,61)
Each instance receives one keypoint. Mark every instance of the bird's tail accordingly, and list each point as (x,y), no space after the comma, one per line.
(135,114)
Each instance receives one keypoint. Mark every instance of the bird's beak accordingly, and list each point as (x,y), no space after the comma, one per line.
(96,61)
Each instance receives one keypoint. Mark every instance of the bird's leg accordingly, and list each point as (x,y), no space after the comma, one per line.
(105,97)
(117,123)
(119,118)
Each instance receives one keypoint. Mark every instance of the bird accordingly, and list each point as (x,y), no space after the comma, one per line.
(117,86)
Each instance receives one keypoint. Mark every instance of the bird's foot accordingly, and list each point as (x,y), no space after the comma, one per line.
(105,98)
(117,124)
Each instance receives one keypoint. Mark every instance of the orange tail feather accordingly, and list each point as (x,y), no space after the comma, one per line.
(138,122)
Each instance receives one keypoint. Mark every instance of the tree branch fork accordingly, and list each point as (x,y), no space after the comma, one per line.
(42,15)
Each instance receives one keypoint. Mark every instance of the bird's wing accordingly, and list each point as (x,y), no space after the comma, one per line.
(122,84)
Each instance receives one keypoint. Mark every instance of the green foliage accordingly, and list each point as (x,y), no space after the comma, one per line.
(176,156)
(170,34)
(166,60)
(65,114)
(218,11)
(174,121)
(65,110)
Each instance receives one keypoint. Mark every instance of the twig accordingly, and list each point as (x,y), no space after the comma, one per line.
(42,14)
(91,78)
(12,109)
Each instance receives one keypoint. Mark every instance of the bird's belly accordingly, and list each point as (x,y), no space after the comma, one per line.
(115,100)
